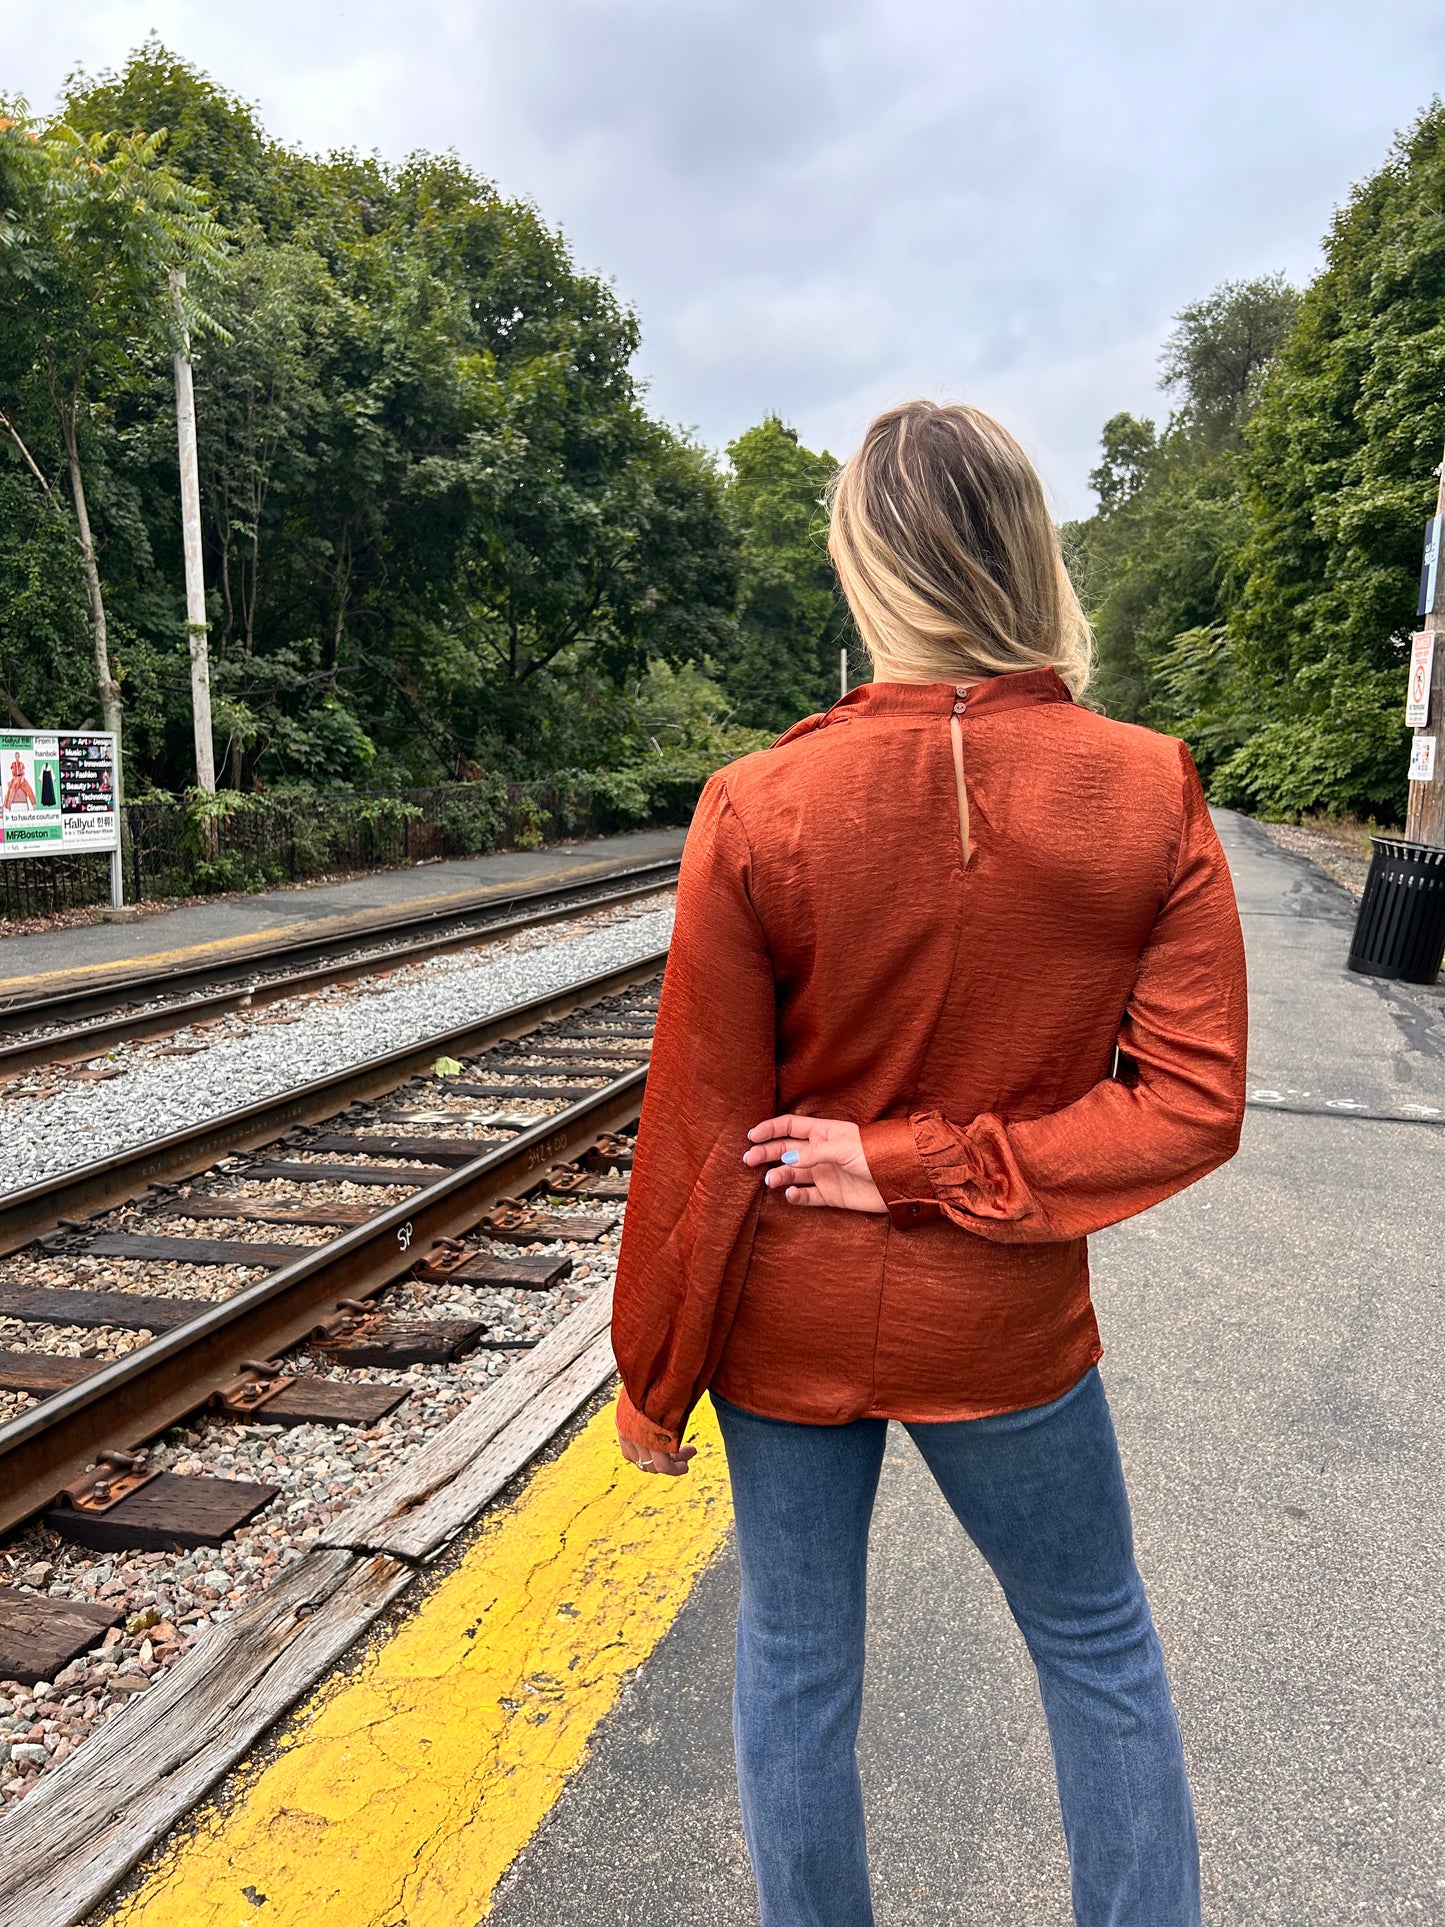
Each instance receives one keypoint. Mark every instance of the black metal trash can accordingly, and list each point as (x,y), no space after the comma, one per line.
(1400,931)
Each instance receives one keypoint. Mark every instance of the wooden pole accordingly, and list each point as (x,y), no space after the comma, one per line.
(191,541)
(843,669)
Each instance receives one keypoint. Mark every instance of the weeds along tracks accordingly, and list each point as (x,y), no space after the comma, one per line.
(322,1260)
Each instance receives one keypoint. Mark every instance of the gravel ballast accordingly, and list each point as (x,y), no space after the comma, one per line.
(170,1598)
(53,1122)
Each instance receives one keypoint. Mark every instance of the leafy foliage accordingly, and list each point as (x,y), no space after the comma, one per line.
(1215,566)
(96,240)
(792,620)
(44,666)
(1340,475)
(1218,351)
(442,534)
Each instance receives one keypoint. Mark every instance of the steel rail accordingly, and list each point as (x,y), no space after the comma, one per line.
(133,1398)
(91,1039)
(310,955)
(114,1180)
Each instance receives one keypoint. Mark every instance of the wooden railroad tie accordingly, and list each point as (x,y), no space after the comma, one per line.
(450,1260)
(417,1175)
(41,1372)
(574,1067)
(358,1335)
(448,1151)
(123,1506)
(459,1088)
(584,1047)
(89,1310)
(194,1251)
(512,1221)
(295,1401)
(264,1393)
(269,1211)
(40,1636)
(573,1181)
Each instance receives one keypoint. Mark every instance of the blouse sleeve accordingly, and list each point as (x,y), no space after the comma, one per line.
(692,1203)
(1124,1145)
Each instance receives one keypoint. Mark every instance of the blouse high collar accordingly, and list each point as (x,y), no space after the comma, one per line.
(994,694)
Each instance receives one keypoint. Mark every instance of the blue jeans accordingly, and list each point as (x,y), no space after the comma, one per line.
(1041,1494)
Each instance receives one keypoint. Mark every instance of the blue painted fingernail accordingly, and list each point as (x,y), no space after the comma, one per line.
(789,1157)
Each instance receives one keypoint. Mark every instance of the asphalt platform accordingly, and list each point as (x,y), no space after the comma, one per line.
(213,931)
(1274,1359)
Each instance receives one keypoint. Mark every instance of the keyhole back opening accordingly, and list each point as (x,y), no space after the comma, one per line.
(955,731)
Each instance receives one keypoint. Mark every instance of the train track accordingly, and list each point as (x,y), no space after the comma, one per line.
(90,1019)
(541,1086)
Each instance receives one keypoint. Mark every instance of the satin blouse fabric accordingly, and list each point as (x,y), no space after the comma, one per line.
(834,954)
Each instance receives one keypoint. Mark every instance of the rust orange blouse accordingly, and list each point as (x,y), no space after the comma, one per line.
(835,954)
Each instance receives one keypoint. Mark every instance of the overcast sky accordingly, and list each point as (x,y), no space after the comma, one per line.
(821,208)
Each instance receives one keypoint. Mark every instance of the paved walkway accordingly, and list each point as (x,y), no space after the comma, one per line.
(1274,1360)
(199,932)
(1274,1345)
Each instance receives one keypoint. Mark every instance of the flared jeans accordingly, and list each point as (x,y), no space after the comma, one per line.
(1041,1494)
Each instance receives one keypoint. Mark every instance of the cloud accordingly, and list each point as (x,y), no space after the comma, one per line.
(819,207)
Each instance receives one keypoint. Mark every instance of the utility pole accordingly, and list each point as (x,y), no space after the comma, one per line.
(843,669)
(1425,815)
(1400,928)
(191,541)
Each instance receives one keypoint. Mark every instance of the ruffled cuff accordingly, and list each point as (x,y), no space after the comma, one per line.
(898,1171)
(638,1429)
(971,1170)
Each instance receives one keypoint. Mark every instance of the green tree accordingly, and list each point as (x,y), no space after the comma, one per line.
(439,521)
(792,620)
(1156,565)
(441,528)
(213,139)
(43,673)
(1340,475)
(1128,447)
(1218,350)
(93,226)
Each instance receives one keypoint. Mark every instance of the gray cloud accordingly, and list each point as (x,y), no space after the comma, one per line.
(819,208)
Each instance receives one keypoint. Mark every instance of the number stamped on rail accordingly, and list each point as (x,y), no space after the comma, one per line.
(544,1153)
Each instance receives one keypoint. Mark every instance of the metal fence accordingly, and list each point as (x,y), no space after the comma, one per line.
(176,848)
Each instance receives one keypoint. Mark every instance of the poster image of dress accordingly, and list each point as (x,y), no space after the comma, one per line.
(57,792)
(30,789)
(87,791)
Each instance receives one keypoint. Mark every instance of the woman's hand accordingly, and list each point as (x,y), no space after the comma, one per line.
(820,1161)
(674,1464)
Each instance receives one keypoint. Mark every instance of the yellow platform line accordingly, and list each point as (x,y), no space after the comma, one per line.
(406,1791)
(339,923)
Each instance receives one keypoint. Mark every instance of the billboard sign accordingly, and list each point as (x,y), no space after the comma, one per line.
(57,792)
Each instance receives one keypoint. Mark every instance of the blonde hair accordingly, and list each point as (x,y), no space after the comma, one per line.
(946,551)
